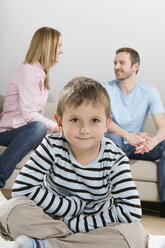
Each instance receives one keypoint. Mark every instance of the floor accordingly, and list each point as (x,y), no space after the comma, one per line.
(152,223)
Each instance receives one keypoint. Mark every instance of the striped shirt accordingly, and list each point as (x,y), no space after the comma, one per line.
(87,196)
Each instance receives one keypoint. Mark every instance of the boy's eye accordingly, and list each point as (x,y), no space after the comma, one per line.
(95,121)
(75,120)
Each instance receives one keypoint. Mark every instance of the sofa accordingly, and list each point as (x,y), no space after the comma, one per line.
(144,173)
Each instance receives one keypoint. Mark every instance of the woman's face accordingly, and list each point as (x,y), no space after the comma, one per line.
(59,49)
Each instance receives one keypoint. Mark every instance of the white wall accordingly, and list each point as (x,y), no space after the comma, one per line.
(92,31)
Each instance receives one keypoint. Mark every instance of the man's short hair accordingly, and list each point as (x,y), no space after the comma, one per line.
(134,56)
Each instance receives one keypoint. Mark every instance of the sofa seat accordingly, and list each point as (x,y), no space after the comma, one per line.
(144,174)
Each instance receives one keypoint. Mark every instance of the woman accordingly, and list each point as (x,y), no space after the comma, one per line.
(22,124)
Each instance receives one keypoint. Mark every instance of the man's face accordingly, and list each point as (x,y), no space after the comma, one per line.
(122,66)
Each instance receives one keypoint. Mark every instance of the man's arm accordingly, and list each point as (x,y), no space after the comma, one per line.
(159,120)
(132,139)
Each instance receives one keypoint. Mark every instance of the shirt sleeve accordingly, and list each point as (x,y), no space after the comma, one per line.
(30,183)
(124,206)
(28,88)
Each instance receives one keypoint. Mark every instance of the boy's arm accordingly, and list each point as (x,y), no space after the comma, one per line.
(29,183)
(125,205)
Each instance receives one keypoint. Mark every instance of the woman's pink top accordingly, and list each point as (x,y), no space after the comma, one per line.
(25,99)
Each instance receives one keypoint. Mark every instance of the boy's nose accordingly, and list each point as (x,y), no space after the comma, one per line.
(84,129)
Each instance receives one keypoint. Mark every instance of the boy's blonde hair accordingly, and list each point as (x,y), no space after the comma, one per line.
(43,48)
(83,90)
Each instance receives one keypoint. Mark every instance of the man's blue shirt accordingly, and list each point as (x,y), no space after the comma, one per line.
(130,110)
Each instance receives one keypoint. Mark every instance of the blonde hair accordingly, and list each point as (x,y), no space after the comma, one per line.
(83,90)
(43,48)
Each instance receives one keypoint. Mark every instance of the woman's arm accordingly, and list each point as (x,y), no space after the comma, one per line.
(33,96)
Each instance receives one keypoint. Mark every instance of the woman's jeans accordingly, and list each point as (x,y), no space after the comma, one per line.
(157,153)
(19,142)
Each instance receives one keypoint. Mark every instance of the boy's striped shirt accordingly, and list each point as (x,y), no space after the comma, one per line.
(87,196)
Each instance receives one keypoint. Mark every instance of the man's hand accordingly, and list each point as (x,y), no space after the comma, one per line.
(142,142)
(147,146)
(136,139)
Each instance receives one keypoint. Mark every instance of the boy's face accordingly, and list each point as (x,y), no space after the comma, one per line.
(84,127)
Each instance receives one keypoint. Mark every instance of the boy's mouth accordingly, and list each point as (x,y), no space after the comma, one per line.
(84,138)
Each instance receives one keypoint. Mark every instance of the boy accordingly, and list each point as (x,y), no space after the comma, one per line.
(79,176)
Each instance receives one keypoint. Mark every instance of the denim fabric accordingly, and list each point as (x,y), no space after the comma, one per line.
(19,142)
(157,153)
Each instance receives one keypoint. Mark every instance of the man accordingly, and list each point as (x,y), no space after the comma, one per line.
(131,101)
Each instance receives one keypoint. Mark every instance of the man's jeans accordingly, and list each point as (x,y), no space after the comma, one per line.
(19,142)
(157,153)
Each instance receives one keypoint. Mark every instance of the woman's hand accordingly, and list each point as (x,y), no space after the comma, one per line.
(57,129)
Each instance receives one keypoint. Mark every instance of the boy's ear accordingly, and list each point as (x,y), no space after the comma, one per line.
(109,121)
(58,119)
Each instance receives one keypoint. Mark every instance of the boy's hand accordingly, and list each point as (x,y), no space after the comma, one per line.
(59,218)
